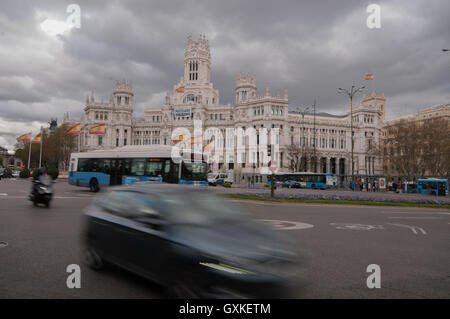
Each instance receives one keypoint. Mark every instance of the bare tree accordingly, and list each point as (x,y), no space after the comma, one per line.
(293,154)
(419,148)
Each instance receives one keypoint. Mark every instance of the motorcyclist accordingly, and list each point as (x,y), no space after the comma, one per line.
(36,179)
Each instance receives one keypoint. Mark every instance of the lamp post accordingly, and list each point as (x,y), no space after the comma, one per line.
(314,137)
(302,131)
(350,94)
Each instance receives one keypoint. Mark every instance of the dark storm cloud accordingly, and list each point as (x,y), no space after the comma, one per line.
(309,47)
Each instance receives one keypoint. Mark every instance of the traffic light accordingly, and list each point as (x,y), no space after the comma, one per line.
(269,150)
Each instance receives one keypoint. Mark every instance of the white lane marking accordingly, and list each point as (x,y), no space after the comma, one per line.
(351,226)
(57,197)
(392,217)
(285,224)
(425,213)
(414,229)
(3,194)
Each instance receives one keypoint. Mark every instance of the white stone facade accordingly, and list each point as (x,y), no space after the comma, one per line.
(196,93)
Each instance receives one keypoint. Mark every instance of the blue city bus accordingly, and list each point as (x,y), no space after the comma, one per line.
(307,180)
(130,164)
(432,186)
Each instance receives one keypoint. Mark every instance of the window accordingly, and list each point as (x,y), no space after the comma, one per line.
(100,140)
(119,100)
(127,100)
(138,167)
(190,98)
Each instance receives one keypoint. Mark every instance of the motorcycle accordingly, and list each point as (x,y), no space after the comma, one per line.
(42,191)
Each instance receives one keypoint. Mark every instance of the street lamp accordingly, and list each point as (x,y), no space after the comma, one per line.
(350,94)
(305,110)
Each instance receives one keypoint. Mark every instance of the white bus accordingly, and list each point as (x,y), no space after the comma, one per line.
(129,164)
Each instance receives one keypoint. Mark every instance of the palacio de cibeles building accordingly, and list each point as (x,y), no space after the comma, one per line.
(194,99)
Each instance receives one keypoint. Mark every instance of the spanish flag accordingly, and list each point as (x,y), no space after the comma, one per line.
(196,140)
(180,89)
(369,76)
(36,139)
(98,129)
(208,147)
(74,129)
(180,138)
(24,137)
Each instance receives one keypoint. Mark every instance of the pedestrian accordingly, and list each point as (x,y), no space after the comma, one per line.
(253,181)
(373,186)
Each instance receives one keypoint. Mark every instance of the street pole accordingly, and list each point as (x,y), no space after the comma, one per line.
(272,184)
(350,94)
(314,147)
(29,154)
(40,151)
(351,134)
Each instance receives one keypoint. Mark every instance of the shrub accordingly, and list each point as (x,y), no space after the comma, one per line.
(53,172)
(227,184)
(24,173)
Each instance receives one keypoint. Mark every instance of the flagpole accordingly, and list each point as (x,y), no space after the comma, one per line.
(40,152)
(29,154)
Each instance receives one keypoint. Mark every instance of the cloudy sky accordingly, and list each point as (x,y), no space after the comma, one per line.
(309,47)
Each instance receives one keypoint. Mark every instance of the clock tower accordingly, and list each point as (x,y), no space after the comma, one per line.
(197,61)
(195,86)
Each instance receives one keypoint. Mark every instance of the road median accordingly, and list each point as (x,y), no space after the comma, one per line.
(337,200)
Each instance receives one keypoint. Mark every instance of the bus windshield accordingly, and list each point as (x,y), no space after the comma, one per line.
(194,171)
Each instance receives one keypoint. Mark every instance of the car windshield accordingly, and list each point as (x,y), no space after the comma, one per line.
(201,209)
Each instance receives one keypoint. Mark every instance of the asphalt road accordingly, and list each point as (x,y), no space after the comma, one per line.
(411,246)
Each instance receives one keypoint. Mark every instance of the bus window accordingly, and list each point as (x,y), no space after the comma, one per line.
(83,165)
(106,166)
(138,167)
(167,167)
(154,169)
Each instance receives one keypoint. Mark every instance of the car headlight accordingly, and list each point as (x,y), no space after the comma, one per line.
(226,268)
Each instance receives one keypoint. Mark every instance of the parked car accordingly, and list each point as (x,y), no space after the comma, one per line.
(215,179)
(286,184)
(296,184)
(194,243)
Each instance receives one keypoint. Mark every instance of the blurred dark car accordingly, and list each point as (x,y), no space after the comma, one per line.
(296,185)
(291,184)
(192,242)
(286,184)
(7,173)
